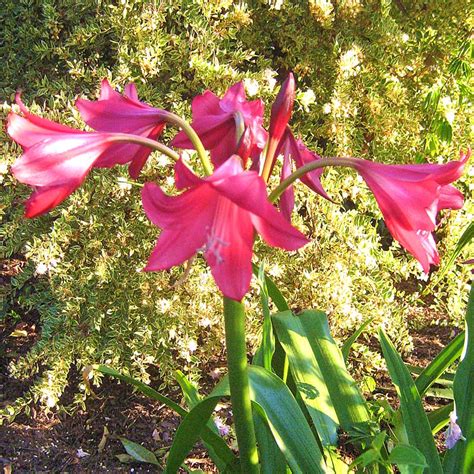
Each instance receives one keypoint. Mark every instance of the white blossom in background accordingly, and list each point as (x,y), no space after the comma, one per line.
(251,86)
(307,98)
(349,62)
(192,346)
(269,76)
(326,108)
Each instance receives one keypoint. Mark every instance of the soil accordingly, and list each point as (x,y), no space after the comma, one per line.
(89,440)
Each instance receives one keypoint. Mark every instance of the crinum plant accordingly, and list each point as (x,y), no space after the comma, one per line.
(217,214)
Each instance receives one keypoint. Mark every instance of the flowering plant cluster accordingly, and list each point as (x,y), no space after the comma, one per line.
(218,214)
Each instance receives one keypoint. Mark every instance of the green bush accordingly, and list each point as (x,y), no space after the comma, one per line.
(364,72)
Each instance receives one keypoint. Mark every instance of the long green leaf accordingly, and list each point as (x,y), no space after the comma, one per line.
(346,398)
(286,421)
(273,291)
(192,399)
(271,458)
(346,347)
(461,458)
(276,404)
(308,377)
(439,364)
(264,354)
(464,240)
(439,418)
(219,447)
(414,418)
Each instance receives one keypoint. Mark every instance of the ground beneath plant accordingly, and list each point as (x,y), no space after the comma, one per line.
(89,440)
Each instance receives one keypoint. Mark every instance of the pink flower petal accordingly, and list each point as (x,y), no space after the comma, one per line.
(44,199)
(229,251)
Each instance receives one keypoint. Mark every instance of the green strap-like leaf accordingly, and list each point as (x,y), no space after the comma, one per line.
(346,398)
(271,458)
(264,354)
(308,377)
(273,291)
(414,418)
(192,399)
(224,455)
(464,240)
(439,418)
(286,421)
(276,404)
(439,364)
(346,347)
(460,459)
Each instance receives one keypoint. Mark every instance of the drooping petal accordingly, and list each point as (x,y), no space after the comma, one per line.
(43,199)
(120,114)
(58,160)
(210,129)
(206,104)
(107,92)
(130,91)
(165,211)
(31,129)
(234,96)
(214,122)
(184,177)
(248,191)
(228,249)
(450,198)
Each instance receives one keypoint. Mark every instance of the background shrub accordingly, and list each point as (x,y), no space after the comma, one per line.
(387,81)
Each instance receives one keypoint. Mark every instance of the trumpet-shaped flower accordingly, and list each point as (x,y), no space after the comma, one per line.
(410,197)
(214,120)
(218,216)
(57,158)
(114,112)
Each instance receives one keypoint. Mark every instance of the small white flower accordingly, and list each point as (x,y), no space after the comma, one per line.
(251,86)
(192,346)
(41,268)
(205,322)
(269,76)
(326,109)
(405,38)
(3,167)
(224,429)
(163,160)
(453,434)
(81,454)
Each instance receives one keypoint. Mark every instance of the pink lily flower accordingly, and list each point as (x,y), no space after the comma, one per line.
(56,158)
(214,120)
(297,151)
(218,216)
(410,197)
(114,112)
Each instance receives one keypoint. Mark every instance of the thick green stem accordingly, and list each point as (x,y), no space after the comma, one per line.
(195,140)
(277,192)
(153,144)
(234,316)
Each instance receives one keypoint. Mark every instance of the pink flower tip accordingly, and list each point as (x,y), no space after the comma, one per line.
(282,108)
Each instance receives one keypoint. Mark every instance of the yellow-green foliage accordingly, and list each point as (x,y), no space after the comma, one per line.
(364,70)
